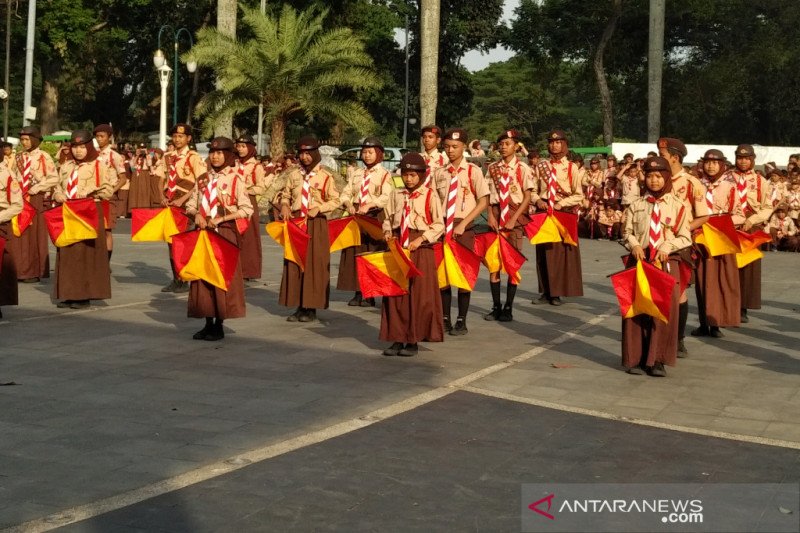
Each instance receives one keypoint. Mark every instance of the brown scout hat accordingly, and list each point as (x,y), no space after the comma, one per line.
(433,128)
(307,142)
(31,131)
(456,134)
(80,137)
(714,155)
(508,134)
(556,135)
(103,128)
(745,150)
(675,146)
(181,127)
(413,161)
(223,144)
(245,139)
(372,142)
(656,164)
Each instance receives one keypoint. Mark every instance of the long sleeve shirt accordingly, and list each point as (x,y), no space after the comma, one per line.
(674,224)
(425,212)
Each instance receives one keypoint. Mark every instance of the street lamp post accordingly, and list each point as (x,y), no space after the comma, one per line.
(163,78)
(159,60)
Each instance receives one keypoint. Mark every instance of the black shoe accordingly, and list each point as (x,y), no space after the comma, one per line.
(170,287)
(657,370)
(682,351)
(715,332)
(215,333)
(181,286)
(744,318)
(448,325)
(409,350)
(506,315)
(30,280)
(201,335)
(635,371)
(294,317)
(556,301)
(80,304)
(367,302)
(543,299)
(393,349)
(355,301)
(64,305)
(494,314)
(702,331)
(460,328)
(309,316)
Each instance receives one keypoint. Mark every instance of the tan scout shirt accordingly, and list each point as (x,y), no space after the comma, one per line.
(674,224)
(189,166)
(93,181)
(425,216)
(472,186)
(10,196)
(322,194)
(759,205)
(723,198)
(593,178)
(44,175)
(380,187)
(11,161)
(630,189)
(793,200)
(116,163)
(691,192)
(254,176)
(522,179)
(231,191)
(568,182)
(786,226)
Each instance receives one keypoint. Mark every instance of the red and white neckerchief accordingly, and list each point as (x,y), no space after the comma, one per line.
(428,160)
(306,193)
(452,193)
(741,191)
(72,184)
(209,203)
(774,196)
(551,184)
(405,218)
(504,193)
(710,186)
(26,174)
(172,180)
(363,197)
(656,234)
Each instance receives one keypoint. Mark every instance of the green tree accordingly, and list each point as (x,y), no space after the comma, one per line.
(291,65)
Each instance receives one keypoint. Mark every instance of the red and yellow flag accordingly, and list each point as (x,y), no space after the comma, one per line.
(554,226)
(385,273)
(205,255)
(370,226)
(719,236)
(158,224)
(750,243)
(343,233)
(293,238)
(499,255)
(72,221)
(644,289)
(456,265)
(23,220)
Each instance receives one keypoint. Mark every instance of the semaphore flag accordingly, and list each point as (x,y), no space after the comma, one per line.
(72,221)
(158,224)
(499,255)
(343,233)
(292,235)
(24,219)
(456,265)
(553,226)
(719,236)
(205,255)
(750,243)
(385,273)
(644,289)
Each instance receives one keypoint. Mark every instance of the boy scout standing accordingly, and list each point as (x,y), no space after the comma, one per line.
(558,265)
(430,138)
(118,176)
(464,194)
(37,176)
(251,173)
(753,196)
(510,186)
(184,166)
(10,206)
(692,193)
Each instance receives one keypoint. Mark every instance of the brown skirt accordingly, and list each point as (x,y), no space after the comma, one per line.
(309,289)
(250,258)
(119,203)
(517,235)
(206,300)
(416,316)
(750,285)
(717,290)
(139,195)
(647,340)
(558,267)
(29,251)
(348,278)
(82,271)
(9,292)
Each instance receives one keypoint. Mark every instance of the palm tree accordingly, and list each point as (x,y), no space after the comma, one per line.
(291,65)
(429,60)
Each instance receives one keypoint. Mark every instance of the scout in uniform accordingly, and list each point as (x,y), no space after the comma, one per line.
(37,176)
(692,193)
(414,216)
(117,175)
(753,197)
(717,283)
(558,265)
(656,227)
(464,194)
(430,138)
(140,192)
(510,184)
(10,206)
(783,230)
(217,201)
(366,193)
(9,157)
(251,172)
(183,166)
(82,270)
(309,195)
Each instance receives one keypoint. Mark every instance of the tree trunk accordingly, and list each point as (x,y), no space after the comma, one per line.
(226,24)
(48,105)
(429,60)
(600,73)
(655,69)
(337,133)
(277,138)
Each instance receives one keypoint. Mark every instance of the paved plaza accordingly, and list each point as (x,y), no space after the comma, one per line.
(118,421)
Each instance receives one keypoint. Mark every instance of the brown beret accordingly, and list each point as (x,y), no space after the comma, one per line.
(556,135)
(103,128)
(414,162)
(713,155)
(675,146)
(455,134)
(508,134)
(222,144)
(181,127)
(433,128)
(745,150)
